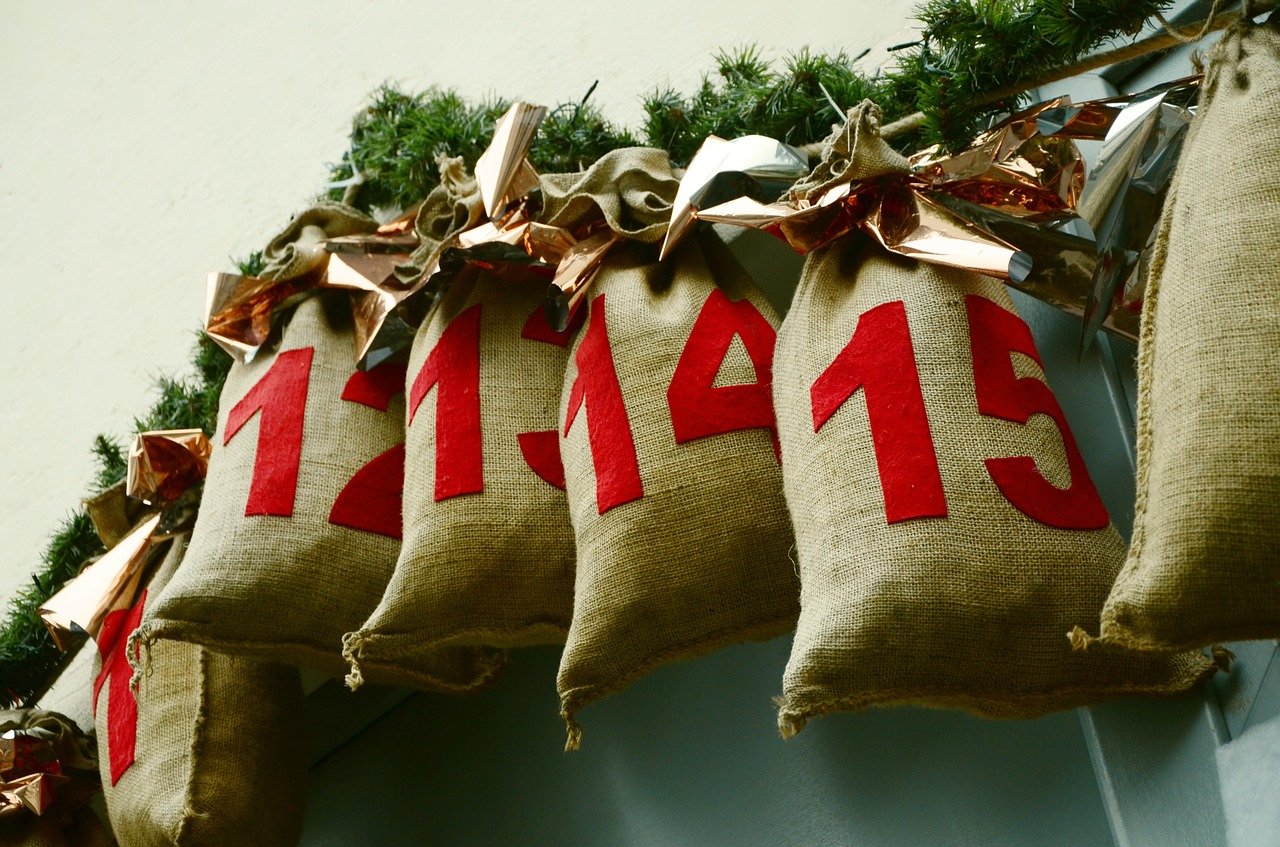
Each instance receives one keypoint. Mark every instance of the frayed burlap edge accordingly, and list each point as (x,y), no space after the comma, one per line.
(575,699)
(392,649)
(792,716)
(194,757)
(1112,632)
(329,661)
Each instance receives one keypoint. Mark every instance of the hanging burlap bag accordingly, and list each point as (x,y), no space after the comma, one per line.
(947,531)
(299,527)
(208,750)
(669,452)
(488,550)
(1204,565)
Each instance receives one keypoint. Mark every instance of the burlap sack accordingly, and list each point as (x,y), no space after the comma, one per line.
(947,531)
(1204,565)
(671,468)
(217,755)
(488,550)
(299,527)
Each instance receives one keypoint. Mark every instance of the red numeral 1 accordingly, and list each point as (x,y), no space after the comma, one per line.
(995,333)
(700,408)
(880,360)
(613,450)
(371,499)
(281,396)
(122,707)
(453,369)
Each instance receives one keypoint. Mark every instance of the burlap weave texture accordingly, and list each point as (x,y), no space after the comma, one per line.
(493,565)
(1204,565)
(969,609)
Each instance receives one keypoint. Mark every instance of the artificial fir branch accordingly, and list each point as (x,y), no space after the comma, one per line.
(967,48)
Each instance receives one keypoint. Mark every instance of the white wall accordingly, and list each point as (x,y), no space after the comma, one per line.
(142,144)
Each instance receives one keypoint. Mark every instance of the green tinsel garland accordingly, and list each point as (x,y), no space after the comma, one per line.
(967,47)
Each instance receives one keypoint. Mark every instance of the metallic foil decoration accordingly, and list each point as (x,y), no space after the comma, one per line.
(376,292)
(1017,204)
(511,243)
(575,273)
(239,310)
(34,793)
(1125,195)
(110,583)
(166,470)
(503,171)
(165,463)
(752,166)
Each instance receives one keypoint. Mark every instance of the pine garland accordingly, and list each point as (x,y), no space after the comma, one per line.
(967,47)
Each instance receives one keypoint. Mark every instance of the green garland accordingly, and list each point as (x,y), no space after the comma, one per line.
(967,47)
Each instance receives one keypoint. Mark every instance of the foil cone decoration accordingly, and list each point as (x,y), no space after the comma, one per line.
(376,292)
(511,242)
(503,170)
(34,793)
(165,470)
(165,463)
(574,275)
(108,584)
(753,166)
(239,310)
(1124,198)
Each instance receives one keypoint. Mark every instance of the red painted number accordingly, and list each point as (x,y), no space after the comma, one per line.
(453,369)
(880,360)
(700,408)
(122,707)
(613,450)
(281,396)
(995,334)
(371,500)
(541,449)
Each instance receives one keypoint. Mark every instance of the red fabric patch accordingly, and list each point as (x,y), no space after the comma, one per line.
(122,708)
(700,408)
(880,360)
(375,387)
(371,500)
(453,367)
(538,328)
(995,333)
(281,396)
(541,451)
(613,449)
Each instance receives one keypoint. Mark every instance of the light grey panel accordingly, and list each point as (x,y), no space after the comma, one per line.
(1154,761)
(690,756)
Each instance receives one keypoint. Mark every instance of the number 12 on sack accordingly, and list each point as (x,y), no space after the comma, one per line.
(370,501)
(880,360)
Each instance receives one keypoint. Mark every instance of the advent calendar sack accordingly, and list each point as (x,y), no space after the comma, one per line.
(947,530)
(209,750)
(299,527)
(488,551)
(672,471)
(1205,561)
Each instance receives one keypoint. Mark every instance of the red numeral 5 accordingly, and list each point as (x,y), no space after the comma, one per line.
(995,334)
